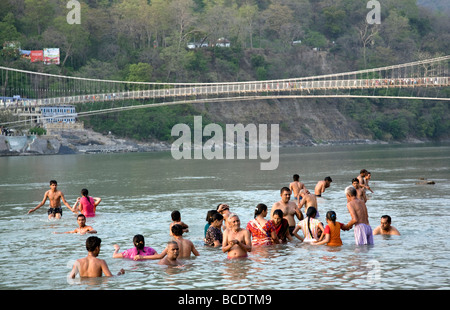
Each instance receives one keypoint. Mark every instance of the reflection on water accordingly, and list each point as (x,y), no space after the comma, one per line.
(139,192)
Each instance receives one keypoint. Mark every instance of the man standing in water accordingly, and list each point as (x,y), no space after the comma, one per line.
(236,241)
(321,186)
(54,196)
(362,177)
(289,208)
(296,186)
(360,218)
(308,200)
(360,191)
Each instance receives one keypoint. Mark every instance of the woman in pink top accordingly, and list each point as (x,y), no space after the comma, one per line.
(140,251)
(87,204)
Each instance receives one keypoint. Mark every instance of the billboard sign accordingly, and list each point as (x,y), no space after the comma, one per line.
(51,56)
(36,56)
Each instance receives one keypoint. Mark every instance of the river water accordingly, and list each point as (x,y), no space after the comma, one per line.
(140,190)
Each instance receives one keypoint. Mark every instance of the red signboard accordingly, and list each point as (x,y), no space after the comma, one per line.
(37,56)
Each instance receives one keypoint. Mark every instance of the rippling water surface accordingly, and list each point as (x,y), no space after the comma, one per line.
(140,190)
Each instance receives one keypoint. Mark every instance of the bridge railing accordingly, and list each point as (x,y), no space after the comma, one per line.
(217,89)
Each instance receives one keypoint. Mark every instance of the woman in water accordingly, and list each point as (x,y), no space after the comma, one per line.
(87,204)
(140,251)
(263,231)
(310,226)
(281,226)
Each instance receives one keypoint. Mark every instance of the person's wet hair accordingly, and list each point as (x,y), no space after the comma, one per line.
(176,215)
(209,215)
(177,230)
(387,217)
(311,212)
(331,215)
(92,243)
(278,212)
(139,242)
(260,208)
(216,217)
(351,191)
(284,189)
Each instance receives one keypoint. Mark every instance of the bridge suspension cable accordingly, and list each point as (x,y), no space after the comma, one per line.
(22,90)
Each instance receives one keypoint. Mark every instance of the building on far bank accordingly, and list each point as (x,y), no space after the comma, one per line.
(58,114)
(52,118)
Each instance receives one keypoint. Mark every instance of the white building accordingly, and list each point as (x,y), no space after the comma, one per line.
(58,114)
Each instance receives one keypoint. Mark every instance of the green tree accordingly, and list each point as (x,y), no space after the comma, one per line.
(38,15)
(8,31)
(141,72)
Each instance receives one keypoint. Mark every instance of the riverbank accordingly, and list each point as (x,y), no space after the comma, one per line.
(87,141)
(74,142)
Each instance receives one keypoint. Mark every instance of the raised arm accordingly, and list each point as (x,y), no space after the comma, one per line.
(97,200)
(116,250)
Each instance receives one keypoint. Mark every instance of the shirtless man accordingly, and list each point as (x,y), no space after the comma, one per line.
(237,242)
(308,200)
(385,227)
(173,251)
(82,227)
(360,192)
(362,177)
(289,208)
(366,181)
(176,219)
(360,218)
(54,196)
(296,186)
(185,246)
(91,266)
(321,186)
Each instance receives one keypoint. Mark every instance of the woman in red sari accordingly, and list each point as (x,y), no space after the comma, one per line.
(281,226)
(263,232)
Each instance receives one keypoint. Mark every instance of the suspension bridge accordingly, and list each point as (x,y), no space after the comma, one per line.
(25,93)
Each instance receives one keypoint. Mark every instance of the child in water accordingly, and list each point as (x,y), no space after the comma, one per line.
(176,219)
(332,231)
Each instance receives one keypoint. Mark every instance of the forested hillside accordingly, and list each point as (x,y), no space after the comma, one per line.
(149,40)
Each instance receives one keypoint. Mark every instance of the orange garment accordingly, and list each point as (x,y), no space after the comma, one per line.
(334,230)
